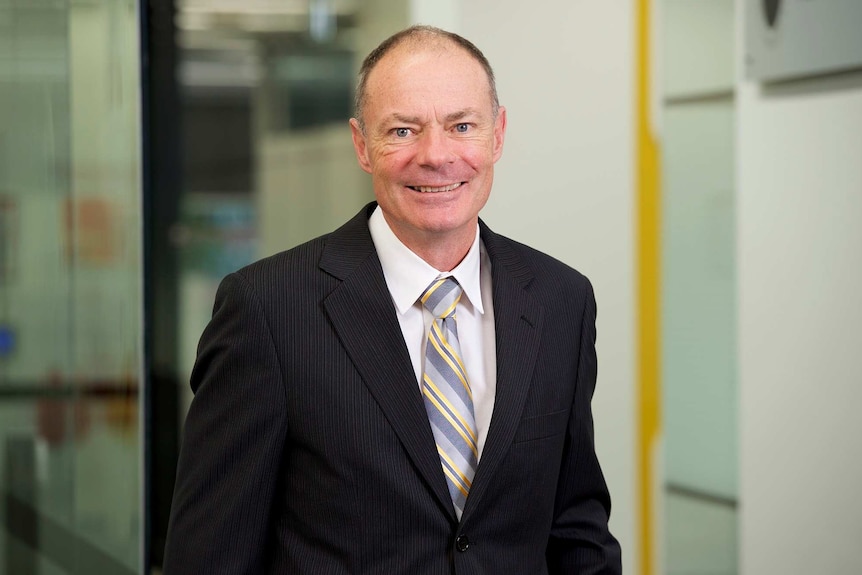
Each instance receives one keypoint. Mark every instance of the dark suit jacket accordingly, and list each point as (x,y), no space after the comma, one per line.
(307,449)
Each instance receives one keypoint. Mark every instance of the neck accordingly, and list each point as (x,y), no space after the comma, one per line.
(442,251)
(442,257)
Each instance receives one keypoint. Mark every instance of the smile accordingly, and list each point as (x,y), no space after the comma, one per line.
(433,190)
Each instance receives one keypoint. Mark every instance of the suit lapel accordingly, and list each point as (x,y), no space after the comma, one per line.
(363,316)
(518,326)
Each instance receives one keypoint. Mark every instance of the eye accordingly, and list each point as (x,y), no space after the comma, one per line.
(401,132)
(462,128)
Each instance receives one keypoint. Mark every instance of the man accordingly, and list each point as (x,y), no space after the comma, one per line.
(409,394)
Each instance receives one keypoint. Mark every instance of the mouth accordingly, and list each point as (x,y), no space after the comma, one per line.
(437,189)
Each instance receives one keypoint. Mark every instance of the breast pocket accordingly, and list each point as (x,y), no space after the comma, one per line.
(542,426)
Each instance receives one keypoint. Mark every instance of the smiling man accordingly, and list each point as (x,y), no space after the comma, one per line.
(429,130)
(409,394)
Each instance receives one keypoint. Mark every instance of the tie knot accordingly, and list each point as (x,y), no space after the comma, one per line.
(441,297)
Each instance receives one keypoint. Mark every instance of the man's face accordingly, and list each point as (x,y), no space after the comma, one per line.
(430,142)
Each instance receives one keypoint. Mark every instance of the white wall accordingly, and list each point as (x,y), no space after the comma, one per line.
(565,183)
(309,184)
(800,324)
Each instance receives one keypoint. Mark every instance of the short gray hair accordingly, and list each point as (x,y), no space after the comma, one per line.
(418,34)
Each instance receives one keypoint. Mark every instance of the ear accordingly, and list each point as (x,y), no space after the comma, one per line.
(499,132)
(360,145)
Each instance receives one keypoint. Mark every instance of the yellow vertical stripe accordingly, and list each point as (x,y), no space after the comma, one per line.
(648,277)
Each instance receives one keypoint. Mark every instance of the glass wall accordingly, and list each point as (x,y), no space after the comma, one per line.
(70,287)
(267,161)
(265,91)
(699,287)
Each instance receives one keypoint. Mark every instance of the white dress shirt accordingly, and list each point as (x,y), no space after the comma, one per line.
(407,276)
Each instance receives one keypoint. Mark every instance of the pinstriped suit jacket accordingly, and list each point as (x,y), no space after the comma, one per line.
(307,449)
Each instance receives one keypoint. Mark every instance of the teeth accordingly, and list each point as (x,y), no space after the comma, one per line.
(429,189)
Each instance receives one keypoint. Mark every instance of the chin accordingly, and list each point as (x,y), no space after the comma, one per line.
(445,225)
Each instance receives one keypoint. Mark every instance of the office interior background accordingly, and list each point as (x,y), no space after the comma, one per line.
(712,195)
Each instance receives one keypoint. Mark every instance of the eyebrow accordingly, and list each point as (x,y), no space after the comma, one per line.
(453,117)
(460,115)
(405,119)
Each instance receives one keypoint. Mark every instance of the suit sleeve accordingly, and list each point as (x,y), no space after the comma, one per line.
(232,446)
(580,541)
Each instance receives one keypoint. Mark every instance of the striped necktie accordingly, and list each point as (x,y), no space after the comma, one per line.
(447,394)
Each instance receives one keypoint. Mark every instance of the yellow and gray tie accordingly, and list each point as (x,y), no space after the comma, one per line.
(448,398)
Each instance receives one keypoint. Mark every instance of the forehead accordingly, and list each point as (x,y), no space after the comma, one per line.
(417,76)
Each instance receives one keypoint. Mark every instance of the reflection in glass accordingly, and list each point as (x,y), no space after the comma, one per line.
(266,91)
(70,328)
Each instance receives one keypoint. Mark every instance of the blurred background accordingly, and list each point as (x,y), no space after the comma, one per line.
(699,160)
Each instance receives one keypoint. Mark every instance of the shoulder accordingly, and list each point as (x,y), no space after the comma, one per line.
(286,264)
(535,267)
(331,255)
(564,293)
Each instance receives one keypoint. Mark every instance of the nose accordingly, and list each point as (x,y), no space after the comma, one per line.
(434,149)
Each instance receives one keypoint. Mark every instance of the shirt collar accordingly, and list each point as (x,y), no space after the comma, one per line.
(407,275)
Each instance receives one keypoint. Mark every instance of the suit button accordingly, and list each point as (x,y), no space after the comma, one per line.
(462,543)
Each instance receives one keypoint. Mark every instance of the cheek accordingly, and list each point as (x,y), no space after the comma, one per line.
(479,157)
(391,167)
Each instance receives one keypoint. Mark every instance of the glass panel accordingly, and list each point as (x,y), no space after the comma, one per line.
(701,536)
(699,337)
(697,47)
(699,288)
(70,287)
(700,298)
(266,93)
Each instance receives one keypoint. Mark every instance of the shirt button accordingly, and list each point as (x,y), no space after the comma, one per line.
(462,543)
